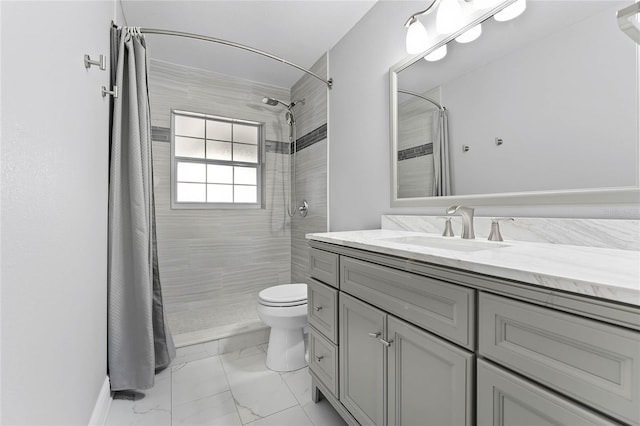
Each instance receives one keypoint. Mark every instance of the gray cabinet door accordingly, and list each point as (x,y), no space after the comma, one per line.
(506,400)
(362,360)
(429,380)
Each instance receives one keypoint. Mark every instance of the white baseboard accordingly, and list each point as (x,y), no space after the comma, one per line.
(103,403)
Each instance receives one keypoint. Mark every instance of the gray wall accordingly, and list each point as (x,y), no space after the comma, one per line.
(359,162)
(214,262)
(359,148)
(311,181)
(54,211)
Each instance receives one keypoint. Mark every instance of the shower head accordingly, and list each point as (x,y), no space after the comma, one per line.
(273,102)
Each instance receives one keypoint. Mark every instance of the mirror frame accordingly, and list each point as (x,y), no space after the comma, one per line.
(613,195)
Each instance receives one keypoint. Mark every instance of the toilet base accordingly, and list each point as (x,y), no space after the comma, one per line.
(286,349)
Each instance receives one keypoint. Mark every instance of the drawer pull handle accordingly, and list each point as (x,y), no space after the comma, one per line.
(319,357)
(318,308)
(387,344)
(374,335)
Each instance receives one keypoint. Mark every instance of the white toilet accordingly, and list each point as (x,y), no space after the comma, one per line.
(284,309)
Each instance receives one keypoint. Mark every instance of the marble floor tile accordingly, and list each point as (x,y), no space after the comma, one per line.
(299,383)
(218,409)
(294,416)
(241,353)
(323,414)
(258,391)
(198,379)
(195,352)
(149,407)
(234,388)
(252,339)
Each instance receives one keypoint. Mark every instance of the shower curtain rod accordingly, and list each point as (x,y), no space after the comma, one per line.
(328,82)
(407,92)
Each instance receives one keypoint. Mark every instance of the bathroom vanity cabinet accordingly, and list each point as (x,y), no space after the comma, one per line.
(395,341)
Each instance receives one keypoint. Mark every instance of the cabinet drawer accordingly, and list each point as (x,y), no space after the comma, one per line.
(443,308)
(323,309)
(324,266)
(506,400)
(323,360)
(592,362)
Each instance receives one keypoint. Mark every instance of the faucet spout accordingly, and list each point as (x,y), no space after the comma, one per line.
(467,220)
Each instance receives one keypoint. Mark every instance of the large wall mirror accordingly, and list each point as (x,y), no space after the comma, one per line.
(543,109)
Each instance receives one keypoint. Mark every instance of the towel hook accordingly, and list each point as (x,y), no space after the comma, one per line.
(101,62)
(113,92)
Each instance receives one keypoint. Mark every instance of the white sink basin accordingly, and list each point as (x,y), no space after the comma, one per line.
(446,243)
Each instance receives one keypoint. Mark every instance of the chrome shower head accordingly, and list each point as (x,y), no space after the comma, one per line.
(273,101)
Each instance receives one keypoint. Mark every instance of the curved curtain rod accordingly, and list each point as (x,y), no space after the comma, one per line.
(440,107)
(328,82)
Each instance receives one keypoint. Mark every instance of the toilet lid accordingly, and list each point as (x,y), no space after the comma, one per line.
(285,294)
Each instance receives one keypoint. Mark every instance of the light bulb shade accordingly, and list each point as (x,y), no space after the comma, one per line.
(437,54)
(484,4)
(417,38)
(470,35)
(449,17)
(512,11)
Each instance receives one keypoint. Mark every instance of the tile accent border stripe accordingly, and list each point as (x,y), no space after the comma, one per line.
(163,134)
(312,137)
(160,134)
(416,151)
(277,147)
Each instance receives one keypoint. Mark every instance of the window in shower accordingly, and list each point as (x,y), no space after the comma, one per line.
(216,162)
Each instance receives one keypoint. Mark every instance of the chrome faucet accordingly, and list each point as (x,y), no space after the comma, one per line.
(467,220)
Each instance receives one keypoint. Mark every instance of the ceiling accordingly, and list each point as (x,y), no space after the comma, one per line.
(299,31)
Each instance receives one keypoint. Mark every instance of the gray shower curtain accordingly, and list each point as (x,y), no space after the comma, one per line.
(139,341)
(441,168)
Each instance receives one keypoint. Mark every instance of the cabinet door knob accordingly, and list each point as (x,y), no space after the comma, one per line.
(387,344)
(318,308)
(319,357)
(374,335)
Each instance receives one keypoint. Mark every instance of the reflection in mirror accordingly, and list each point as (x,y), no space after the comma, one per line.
(418,128)
(558,86)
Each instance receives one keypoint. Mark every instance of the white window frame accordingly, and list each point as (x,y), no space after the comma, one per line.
(259,166)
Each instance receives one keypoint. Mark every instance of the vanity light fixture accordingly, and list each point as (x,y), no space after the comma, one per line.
(470,35)
(485,4)
(449,17)
(437,54)
(512,11)
(417,36)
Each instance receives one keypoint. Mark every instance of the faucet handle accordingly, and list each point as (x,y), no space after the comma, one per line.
(448,229)
(495,235)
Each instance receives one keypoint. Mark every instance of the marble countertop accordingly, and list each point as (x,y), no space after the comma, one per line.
(604,273)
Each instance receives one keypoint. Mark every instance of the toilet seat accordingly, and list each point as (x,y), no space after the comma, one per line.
(284,295)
